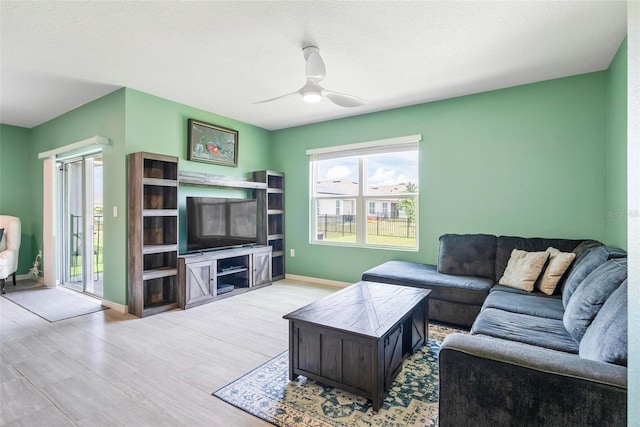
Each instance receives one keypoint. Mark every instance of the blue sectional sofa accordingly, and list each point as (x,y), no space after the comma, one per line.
(530,358)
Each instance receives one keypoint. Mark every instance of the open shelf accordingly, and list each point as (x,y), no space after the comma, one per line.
(161,182)
(160,230)
(159,260)
(231,271)
(160,290)
(158,166)
(160,197)
(154,249)
(158,273)
(275,181)
(200,178)
(275,224)
(277,269)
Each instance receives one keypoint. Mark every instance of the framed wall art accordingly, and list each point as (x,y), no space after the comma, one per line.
(212,144)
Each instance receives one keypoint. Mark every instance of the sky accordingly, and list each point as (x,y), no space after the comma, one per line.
(382,169)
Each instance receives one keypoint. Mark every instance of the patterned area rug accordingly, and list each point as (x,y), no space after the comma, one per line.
(267,393)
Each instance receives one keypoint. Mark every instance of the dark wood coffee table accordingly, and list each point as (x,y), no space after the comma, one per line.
(357,338)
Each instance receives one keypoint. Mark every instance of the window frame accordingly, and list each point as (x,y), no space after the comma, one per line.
(362,198)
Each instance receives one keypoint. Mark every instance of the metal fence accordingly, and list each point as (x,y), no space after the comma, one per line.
(344,225)
(76,242)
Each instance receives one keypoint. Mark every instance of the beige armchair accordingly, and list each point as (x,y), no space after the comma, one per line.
(9,247)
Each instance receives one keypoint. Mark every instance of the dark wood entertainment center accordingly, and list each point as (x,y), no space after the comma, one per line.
(159,279)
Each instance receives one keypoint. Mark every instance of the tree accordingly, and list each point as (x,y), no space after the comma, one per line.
(409,204)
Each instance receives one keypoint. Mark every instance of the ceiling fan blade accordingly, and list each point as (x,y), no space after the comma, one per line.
(344,100)
(277,97)
(315,68)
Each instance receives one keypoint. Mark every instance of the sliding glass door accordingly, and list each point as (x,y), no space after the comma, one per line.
(81,224)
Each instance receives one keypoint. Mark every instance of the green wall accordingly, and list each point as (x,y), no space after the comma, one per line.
(524,161)
(15,187)
(104,117)
(615,213)
(158,125)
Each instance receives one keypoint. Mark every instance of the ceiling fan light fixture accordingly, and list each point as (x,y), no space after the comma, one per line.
(311,96)
(311,92)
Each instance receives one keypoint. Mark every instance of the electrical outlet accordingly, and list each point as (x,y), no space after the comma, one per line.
(115,211)
(292,252)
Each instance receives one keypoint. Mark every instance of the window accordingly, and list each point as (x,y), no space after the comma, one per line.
(350,182)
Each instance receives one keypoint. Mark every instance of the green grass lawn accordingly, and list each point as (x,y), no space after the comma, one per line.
(76,261)
(373,240)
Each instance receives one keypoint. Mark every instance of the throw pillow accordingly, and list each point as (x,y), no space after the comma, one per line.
(523,269)
(558,264)
(3,241)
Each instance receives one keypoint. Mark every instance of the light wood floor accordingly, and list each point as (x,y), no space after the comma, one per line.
(108,369)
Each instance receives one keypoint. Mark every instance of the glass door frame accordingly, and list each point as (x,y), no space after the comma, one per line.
(86,229)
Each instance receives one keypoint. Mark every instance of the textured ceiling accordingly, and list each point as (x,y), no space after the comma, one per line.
(224,56)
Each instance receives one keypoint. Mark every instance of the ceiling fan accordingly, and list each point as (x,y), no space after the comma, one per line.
(312,91)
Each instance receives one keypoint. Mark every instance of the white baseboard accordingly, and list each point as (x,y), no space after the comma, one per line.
(317,281)
(123,309)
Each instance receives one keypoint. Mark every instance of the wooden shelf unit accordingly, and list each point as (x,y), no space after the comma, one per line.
(271,218)
(153,233)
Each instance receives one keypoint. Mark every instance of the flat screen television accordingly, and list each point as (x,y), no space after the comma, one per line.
(215,223)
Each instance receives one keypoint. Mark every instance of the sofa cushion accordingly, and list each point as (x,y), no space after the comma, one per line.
(592,293)
(594,258)
(501,288)
(506,244)
(606,340)
(538,331)
(525,303)
(462,289)
(556,267)
(468,255)
(523,269)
